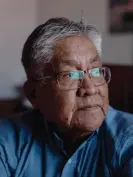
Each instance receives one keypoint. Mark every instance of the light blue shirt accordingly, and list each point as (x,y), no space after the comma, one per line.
(30,148)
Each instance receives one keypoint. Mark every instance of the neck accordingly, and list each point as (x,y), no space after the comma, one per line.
(72,142)
(73,139)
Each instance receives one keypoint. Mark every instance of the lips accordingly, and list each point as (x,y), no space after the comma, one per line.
(89,107)
(90,102)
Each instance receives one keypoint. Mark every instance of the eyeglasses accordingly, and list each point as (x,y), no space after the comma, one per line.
(73,79)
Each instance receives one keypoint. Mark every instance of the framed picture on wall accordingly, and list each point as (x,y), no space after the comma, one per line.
(120,16)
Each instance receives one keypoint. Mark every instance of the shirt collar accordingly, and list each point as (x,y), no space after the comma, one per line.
(54,138)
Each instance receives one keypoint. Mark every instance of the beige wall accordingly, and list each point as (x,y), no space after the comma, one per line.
(116,49)
(19,17)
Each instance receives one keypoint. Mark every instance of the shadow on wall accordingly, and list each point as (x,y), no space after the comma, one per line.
(121,87)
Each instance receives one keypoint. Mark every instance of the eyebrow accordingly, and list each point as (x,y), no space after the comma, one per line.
(76,63)
(95,59)
(71,62)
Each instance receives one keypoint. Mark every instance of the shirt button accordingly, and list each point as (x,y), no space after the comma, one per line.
(69,161)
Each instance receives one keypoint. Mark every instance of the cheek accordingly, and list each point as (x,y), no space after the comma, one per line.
(44,97)
(65,103)
(41,99)
(103,92)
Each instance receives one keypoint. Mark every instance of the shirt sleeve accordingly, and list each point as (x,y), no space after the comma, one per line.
(8,160)
(3,171)
(126,155)
(127,170)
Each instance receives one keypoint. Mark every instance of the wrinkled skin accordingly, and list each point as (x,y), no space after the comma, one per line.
(77,112)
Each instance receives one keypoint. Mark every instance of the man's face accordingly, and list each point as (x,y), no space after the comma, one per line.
(84,108)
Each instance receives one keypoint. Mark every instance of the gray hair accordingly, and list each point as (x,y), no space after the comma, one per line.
(38,48)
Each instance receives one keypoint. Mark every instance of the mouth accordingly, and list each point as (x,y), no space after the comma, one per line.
(89,108)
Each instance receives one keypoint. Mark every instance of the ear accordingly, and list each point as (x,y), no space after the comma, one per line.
(29,90)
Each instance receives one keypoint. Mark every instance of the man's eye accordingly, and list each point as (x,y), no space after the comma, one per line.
(76,75)
(64,75)
(96,72)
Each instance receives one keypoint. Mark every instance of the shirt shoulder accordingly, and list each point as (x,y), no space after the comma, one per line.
(16,134)
(118,136)
(22,124)
(118,122)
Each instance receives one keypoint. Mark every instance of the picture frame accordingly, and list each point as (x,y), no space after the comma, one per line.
(120,16)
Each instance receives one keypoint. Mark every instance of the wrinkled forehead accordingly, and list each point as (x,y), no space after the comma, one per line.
(75,50)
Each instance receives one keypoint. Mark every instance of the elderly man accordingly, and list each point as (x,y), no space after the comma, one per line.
(72,132)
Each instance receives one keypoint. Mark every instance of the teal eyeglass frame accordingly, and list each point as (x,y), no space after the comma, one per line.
(94,73)
(80,74)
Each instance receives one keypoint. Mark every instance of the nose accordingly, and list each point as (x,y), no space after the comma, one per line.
(87,88)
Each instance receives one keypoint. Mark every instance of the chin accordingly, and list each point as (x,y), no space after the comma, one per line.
(87,126)
(90,127)
(88,119)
